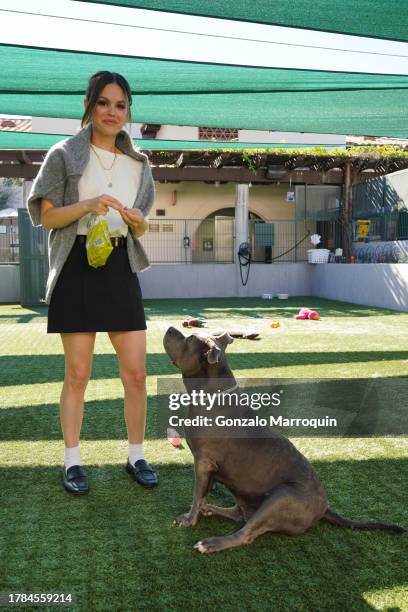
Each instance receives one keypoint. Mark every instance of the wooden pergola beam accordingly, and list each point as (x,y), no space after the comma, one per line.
(224,175)
(25,171)
(239,175)
(229,166)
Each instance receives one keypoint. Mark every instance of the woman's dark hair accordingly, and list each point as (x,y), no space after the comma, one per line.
(96,84)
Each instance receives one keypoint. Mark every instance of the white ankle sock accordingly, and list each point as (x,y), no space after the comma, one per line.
(135,452)
(72,457)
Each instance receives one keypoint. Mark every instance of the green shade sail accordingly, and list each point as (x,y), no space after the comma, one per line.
(29,70)
(51,82)
(48,83)
(377,18)
(384,113)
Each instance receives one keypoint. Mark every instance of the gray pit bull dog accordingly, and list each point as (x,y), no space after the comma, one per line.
(274,485)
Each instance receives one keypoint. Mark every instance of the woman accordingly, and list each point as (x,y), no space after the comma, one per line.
(97,172)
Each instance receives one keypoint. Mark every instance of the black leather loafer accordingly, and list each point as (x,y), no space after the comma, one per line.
(75,480)
(143,473)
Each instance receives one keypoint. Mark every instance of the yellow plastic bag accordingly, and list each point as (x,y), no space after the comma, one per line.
(98,244)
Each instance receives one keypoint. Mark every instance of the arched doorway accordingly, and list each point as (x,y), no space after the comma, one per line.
(213,240)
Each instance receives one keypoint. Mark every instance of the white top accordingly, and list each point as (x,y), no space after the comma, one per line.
(125,177)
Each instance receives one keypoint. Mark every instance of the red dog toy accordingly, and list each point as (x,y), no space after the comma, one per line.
(193,323)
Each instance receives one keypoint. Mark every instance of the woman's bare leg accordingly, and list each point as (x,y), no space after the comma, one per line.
(78,348)
(130,347)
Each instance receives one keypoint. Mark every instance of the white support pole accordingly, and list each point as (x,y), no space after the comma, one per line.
(241,229)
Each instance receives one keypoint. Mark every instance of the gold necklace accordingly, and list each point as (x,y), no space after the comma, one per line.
(103,167)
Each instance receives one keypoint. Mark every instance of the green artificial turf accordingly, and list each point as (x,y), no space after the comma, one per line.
(117,548)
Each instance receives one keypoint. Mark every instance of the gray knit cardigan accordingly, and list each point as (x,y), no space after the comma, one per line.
(57,180)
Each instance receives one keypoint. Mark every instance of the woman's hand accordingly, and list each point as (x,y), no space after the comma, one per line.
(131,216)
(100,205)
(135,220)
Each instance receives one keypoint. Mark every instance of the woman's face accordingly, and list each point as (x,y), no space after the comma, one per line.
(111,110)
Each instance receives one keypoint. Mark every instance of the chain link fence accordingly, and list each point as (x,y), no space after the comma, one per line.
(212,240)
(9,242)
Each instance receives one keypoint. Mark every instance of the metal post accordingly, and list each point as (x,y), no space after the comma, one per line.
(347,212)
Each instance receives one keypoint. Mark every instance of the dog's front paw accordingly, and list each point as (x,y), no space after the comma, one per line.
(185,520)
(209,545)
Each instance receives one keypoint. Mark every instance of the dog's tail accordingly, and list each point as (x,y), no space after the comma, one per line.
(342,521)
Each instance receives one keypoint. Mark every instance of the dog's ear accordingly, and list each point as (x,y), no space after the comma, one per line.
(214,343)
(213,355)
(224,339)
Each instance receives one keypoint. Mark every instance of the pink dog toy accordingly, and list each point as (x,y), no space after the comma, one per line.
(173,437)
(306,313)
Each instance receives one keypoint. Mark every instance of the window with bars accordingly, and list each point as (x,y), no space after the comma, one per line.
(210,133)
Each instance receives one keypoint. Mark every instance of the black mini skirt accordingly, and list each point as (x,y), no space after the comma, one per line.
(87,299)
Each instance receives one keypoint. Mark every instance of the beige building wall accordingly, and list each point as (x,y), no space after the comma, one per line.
(197,200)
